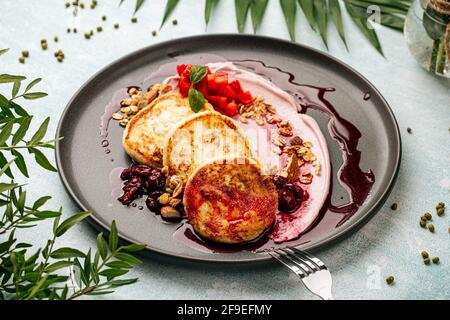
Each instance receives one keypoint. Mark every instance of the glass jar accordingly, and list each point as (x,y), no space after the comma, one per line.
(426,32)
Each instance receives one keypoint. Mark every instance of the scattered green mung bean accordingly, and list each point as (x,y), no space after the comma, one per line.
(423,223)
(431,227)
(75,30)
(175,22)
(68,30)
(409,130)
(67,4)
(44,45)
(435,260)
(87,35)
(428,216)
(154,33)
(60,59)
(91,33)
(394,206)
(82,5)
(116,26)
(425,254)
(390,280)
(104,18)
(25,53)
(56,39)
(426,261)
(99,29)
(440,211)
(22,60)
(134,20)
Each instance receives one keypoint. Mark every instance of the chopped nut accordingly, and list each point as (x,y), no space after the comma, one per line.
(290,172)
(164,198)
(174,202)
(125,109)
(126,102)
(133,91)
(278,141)
(271,119)
(178,190)
(134,109)
(285,131)
(123,122)
(296,141)
(169,212)
(260,121)
(117,116)
(243,120)
(271,108)
(306,177)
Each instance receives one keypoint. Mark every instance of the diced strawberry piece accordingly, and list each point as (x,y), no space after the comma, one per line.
(236,85)
(184,87)
(245,98)
(181,68)
(231,109)
(218,102)
(202,87)
(229,93)
(211,79)
(221,82)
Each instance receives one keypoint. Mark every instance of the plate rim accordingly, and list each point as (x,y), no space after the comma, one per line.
(344,231)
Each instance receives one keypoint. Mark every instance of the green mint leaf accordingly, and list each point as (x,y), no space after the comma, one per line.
(119,265)
(46,214)
(196,100)
(112,273)
(197,74)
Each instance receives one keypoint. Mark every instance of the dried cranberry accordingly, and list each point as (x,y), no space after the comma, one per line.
(153,204)
(142,170)
(155,194)
(134,182)
(129,195)
(156,181)
(126,174)
(296,189)
(279,181)
(286,201)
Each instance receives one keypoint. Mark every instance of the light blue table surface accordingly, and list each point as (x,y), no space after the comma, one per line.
(389,244)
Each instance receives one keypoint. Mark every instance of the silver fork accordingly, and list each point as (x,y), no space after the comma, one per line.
(313,272)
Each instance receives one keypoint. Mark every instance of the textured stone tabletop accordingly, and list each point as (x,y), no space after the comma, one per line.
(389,244)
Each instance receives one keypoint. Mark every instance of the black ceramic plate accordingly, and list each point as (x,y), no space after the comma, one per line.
(89,170)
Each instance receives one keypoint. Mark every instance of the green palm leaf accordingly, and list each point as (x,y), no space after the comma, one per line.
(257,10)
(321,13)
(308,9)
(289,8)
(209,6)
(361,23)
(242,7)
(170,6)
(336,15)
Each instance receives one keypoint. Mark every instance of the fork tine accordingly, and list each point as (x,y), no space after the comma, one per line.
(286,263)
(292,254)
(298,263)
(315,260)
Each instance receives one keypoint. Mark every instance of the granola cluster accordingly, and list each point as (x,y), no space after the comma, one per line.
(137,101)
